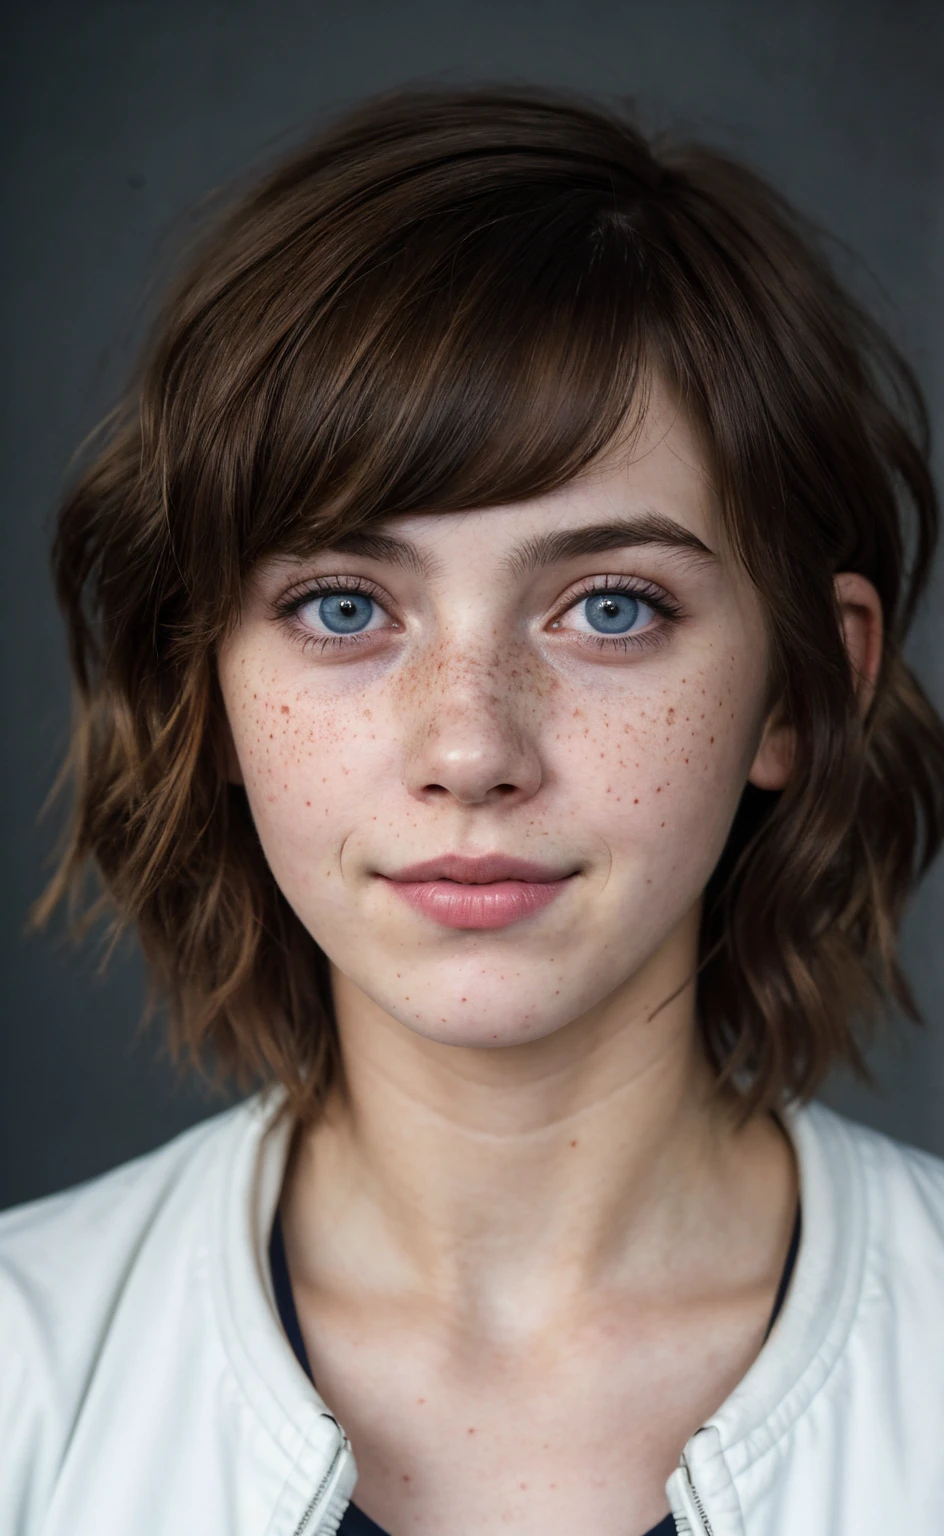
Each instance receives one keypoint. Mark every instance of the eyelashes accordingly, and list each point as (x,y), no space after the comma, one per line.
(645,594)
(289,607)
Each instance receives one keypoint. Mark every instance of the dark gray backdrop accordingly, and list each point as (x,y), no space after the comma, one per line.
(120,117)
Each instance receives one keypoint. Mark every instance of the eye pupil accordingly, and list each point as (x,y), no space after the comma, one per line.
(612,612)
(345,612)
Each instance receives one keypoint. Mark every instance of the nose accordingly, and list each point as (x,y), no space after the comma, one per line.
(473,734)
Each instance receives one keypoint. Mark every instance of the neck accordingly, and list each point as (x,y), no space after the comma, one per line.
(534,1173)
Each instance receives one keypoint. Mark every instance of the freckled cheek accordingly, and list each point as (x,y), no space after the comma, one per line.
(660,771)
(304,770)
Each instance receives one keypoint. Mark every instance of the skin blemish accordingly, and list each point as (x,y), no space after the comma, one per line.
(573,1143)
(286,710)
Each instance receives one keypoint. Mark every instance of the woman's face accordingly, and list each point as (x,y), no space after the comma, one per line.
(576,682)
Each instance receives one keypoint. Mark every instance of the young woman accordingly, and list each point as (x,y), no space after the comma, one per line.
(487,612)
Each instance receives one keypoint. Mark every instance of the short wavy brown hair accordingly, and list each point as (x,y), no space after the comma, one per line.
(454,299)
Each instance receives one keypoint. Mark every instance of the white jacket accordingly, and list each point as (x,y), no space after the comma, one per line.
(146,1387)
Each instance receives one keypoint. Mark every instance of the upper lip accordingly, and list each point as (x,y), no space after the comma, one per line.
(478,870)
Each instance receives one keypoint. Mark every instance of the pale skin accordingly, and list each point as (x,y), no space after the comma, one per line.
(530,1249)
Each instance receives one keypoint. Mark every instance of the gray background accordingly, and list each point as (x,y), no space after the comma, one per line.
(121,117)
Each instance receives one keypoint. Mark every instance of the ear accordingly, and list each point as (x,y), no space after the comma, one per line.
(860,611)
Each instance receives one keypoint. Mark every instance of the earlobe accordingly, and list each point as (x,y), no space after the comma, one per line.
(860,610)
(774,757)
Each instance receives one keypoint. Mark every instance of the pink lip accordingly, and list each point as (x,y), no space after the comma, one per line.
(489,891)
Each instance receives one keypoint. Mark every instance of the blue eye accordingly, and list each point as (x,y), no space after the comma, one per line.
(344,613)
(611,613)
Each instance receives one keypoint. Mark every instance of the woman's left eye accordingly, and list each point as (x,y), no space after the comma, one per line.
(608,611)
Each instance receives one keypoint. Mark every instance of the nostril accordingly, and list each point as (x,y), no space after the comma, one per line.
(460,761)
(495,792)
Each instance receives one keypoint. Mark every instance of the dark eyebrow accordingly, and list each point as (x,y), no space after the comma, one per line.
(540,550)
(374,545)
(598,538)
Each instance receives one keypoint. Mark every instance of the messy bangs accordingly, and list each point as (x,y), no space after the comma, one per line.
(456,300)
(439,348)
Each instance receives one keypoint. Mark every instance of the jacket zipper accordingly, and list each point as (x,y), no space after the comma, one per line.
(316,1497)
(696,1500)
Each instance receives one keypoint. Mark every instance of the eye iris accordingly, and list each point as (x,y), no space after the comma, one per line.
(612,612)
(345,612)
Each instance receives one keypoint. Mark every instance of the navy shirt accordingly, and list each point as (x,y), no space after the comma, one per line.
(355,1522)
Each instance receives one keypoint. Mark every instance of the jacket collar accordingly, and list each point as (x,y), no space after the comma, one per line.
(823,1295)
(807,1338)
(312,1449)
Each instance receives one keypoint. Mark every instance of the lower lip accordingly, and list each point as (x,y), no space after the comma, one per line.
(455,905)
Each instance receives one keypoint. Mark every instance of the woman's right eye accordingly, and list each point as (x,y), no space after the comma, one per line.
(340,613)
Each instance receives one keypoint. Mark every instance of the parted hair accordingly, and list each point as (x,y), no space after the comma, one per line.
(455,299)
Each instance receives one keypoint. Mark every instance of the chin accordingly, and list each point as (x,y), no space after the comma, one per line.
(483,1022)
